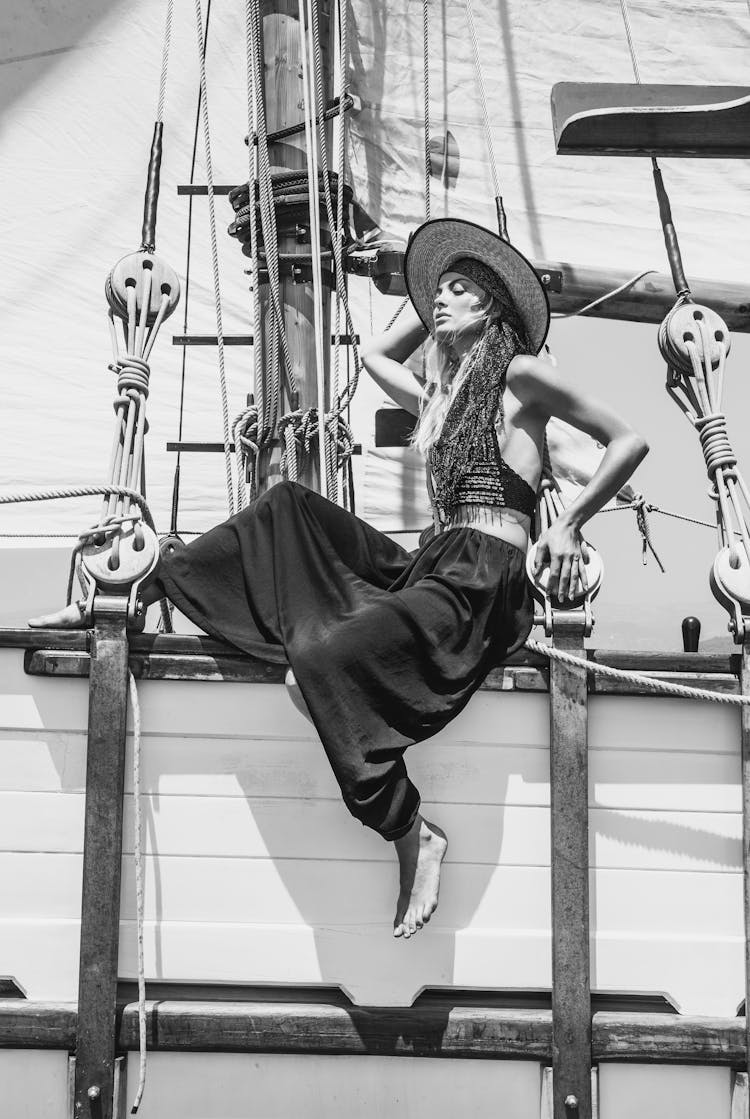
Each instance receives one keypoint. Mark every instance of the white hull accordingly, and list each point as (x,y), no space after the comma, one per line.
(256,875)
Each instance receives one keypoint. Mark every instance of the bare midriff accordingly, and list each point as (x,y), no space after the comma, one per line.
(505,524)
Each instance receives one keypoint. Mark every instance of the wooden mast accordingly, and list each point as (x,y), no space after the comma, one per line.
(283,91)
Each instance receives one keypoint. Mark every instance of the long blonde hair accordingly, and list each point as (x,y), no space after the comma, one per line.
(444,369)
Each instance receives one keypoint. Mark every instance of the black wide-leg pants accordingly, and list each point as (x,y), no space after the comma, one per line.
(387,646)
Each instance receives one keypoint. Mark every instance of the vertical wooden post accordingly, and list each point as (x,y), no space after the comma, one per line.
(284,97)
(571,987)
(102,855)
(745,736)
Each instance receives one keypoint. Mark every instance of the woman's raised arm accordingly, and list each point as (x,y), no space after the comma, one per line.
(383,357)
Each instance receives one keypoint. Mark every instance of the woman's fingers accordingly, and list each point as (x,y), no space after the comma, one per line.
(563,583)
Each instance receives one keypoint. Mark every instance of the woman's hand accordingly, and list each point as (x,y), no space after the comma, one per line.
(563,550)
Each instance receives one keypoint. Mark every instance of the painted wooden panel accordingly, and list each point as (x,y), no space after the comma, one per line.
(702,974)
(648,1092)
(320,892)
(617,722)
(322,829)
(648,777)
(33,1084)
(212,708)
(197,1085)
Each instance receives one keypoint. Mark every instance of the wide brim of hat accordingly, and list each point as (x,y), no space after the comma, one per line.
(438,244)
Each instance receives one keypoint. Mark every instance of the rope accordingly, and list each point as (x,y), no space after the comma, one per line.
(214,256)
(426,81)
(338,237)
(262,429)
(603,298)
(247,447)
(631,43)
(267,211)
(306,34)
(393,318)
(165,61)
(139,889)
(188,249)
(483,98)
(82,491)
(649,682)
(642,509)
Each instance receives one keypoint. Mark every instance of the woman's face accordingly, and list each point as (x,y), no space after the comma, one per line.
(457,300)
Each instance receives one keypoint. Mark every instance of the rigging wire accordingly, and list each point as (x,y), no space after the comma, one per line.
(214,258)
(339,402)
(165,61)
(501,220)
(603,298)
(267,210)
(426,82)
(631,43)
(186,296)
(306,34)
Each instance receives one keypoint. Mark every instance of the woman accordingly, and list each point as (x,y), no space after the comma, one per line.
(387,647)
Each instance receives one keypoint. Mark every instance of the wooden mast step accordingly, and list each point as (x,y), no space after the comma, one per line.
(609,118)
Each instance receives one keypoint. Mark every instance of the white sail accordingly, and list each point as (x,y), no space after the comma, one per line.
(79,88)
(591,210)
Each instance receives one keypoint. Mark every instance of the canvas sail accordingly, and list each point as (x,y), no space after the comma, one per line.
(79,85)
(593,211)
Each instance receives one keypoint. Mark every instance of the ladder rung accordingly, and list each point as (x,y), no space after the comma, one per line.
(239,339)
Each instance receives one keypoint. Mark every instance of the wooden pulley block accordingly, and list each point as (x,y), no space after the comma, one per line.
(696,324)
(587,587)
(153,280)
(730,584)
(118,562)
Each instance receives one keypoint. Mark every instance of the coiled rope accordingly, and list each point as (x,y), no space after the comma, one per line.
(664,687)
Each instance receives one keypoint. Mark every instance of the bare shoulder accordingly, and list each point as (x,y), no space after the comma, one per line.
(527,374)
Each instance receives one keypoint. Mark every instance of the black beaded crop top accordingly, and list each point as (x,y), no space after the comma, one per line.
(480,476)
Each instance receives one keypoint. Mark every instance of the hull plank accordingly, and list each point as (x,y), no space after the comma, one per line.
(256,874)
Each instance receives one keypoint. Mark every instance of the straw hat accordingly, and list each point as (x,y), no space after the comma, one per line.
(438,244)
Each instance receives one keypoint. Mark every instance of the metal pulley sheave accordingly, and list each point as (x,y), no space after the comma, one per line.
(695,342)
(121,552)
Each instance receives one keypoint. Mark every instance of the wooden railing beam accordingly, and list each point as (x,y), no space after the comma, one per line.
(571,985)
(745,737)
(102,860)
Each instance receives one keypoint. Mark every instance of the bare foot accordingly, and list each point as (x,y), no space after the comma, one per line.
(70,617)
(420,854)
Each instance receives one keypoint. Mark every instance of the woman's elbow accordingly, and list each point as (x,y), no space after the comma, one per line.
(640,447)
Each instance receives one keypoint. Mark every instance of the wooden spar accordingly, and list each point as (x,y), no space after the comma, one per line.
(745,738)
(571,287)
(284,100)
(608,118)
(443,1029)
(102,857)
(571,990)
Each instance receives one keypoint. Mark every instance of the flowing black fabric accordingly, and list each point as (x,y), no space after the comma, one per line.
(387,646)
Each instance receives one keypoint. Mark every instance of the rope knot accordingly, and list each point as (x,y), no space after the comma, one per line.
(642,509)
(717,450)
(133,375)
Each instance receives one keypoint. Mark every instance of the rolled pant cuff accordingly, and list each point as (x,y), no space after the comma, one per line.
(400,829)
